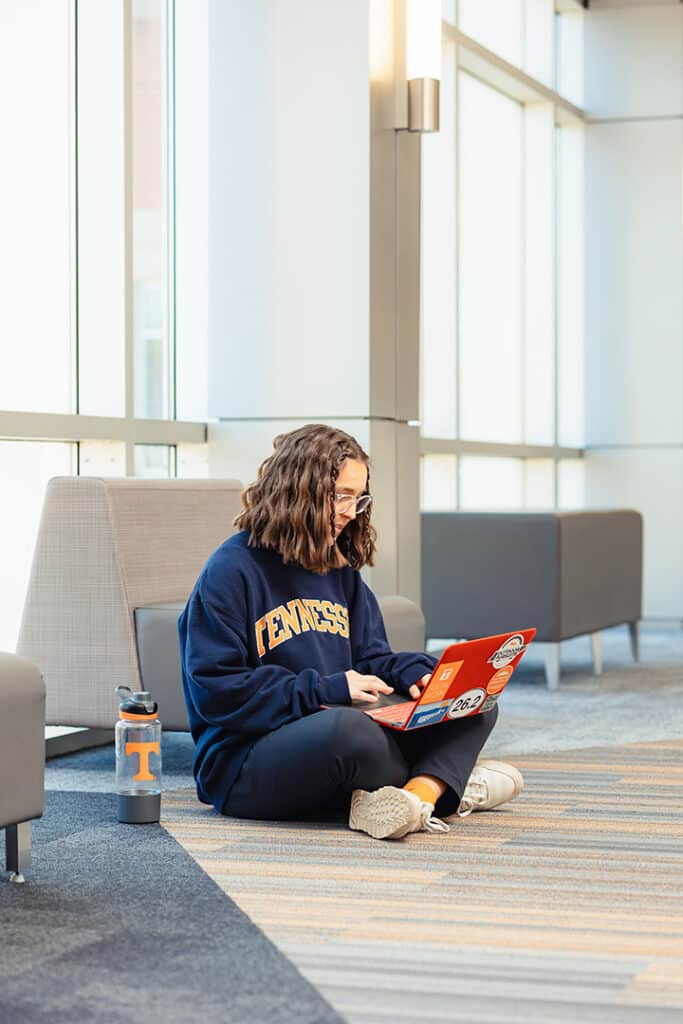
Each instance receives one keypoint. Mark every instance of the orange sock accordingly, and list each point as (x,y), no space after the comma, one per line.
(425,787)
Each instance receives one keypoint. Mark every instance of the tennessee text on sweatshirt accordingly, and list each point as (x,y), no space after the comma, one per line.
(263,643)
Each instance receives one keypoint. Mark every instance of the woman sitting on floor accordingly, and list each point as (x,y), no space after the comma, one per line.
(280,623)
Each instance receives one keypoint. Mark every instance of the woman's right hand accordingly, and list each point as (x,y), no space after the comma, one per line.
(365,688)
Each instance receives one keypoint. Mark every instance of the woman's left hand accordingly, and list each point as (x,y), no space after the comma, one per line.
(417,688)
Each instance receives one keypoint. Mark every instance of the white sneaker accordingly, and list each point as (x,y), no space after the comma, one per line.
(391,813)
(491,784)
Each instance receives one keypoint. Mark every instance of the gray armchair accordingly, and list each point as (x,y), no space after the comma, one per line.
(114,564)
(104,548)
(566,573)
(22,758)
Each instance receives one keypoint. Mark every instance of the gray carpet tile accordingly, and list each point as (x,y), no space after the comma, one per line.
(117,924)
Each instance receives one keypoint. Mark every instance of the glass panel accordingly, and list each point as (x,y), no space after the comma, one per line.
(25,468)
(539,483)
(150,242)
(497,24)
(102,458)
(570,294)
(539,273)
(35,207)
(571,483)
(438,413)
(539,31)
(191,207)
(448,11)
(155,461)
(101,209)
(490,259)
(193,461)
(491,483)
(569,68)
(439,483)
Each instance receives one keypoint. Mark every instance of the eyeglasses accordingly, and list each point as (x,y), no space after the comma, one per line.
(347,502)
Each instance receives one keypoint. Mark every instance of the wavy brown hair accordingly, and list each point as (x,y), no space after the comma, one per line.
(289,508)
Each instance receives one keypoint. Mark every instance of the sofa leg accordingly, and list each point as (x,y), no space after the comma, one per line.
(552,665)
(635,639)
(18,850)
(596,644)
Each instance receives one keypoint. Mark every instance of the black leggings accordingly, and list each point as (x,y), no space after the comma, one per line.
(316,762)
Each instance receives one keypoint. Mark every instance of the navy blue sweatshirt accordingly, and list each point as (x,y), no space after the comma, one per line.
(263,643)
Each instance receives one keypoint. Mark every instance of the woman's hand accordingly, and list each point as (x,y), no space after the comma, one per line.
(417,688)
(365,688)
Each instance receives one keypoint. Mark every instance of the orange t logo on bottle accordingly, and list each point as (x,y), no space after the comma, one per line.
(143,750)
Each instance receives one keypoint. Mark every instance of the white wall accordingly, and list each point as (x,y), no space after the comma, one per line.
(634,280)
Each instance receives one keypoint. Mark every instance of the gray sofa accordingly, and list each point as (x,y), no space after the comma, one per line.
(22,758)
(115,561)
(566,573)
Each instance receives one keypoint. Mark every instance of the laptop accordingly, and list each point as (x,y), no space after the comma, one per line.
(468,680)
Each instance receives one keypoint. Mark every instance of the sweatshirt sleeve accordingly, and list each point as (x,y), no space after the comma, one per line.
(225,690)
(372,654)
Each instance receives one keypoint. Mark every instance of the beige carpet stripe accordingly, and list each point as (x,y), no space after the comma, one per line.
(573,894)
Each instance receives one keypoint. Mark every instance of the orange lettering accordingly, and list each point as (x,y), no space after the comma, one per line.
(290,619)
(275,635)
(259,627)
(307,619)
(143,750)
(343,620)
(330,618)
(316,612)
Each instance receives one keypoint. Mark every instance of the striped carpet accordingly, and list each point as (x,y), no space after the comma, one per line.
(565,905)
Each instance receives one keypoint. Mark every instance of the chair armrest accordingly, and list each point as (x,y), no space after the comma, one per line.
(22,740)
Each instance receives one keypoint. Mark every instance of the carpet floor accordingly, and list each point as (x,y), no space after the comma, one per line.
(118,924)
(566,904)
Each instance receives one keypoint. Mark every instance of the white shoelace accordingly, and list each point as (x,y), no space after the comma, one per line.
(476,790)
(430,823)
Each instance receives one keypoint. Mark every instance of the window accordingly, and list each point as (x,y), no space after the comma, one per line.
(95,299)
(154,461)
(497,24)
(36,203)
(490,216)
(502,263)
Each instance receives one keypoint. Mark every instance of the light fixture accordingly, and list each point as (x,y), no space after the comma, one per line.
(422,63)
(405,64)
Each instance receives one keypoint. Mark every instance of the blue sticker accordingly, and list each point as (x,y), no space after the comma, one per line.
(427,714)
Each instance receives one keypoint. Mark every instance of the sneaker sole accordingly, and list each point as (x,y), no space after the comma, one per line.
(388,813)
(509,771)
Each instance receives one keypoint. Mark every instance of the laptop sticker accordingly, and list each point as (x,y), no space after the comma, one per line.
(439,684)
(428,714)
(508,651)
(498,680)
(466,703)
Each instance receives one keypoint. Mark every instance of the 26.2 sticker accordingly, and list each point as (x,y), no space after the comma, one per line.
(466,703)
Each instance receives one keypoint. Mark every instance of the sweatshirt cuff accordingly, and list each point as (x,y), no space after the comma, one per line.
(415,672)
(335,689)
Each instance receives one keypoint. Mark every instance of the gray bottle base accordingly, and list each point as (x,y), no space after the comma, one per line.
(138,808)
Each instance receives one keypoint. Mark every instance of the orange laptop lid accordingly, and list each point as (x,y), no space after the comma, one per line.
(468,679)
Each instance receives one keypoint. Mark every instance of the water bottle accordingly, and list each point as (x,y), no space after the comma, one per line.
(138,757)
